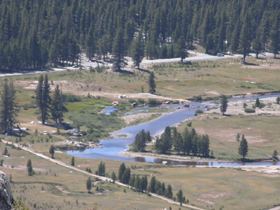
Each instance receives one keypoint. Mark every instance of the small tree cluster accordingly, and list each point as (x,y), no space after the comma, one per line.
(101,169)
(188,142)
(140,141)
(88,170)
(8,107)
(124,174)
(159,188)
(140,184)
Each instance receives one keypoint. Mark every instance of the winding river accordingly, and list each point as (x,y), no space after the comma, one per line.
(111,147)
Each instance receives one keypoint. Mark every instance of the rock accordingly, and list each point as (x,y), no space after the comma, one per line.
(6,198)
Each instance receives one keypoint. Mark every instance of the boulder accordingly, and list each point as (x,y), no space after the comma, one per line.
(6,198)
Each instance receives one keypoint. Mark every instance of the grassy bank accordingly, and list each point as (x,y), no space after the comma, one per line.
(261,132)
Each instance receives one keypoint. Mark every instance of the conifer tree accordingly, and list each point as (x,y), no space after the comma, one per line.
(8,107)
(88,184)
(152,84)
(29,168)
(274,36)
(119,51)
(58,105)
(43,99)
(137,50)
(51,151)
(244,40)
(73,161)
(180,197)
(224,104)
(243,147)
(121,171)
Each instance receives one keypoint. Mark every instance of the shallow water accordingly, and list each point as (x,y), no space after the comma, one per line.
(112,146)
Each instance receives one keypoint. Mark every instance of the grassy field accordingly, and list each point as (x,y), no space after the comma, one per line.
(261,132)
(208,78)
(56,187)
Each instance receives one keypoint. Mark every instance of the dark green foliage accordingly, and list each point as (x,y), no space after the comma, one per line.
(51,151)
(180,197)
(275,155)
(113,176)
(248,110)
(258,103)
(52,33)
(121,171)
(126,176)
(188,142)
(43,99)
(29,168)
(58,105)
(5,151)
(152,83)
(119,51)
(140,141)
(224,104)
(238,137)
(88,184)
(8,107)
(277,100)
(243,147)
(73,161)
(137,53)
(169,193)
(101,169)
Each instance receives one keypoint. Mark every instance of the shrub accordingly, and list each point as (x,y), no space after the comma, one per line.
(153,101)
(248,110)
(141,101)
(72,98)
(199,111)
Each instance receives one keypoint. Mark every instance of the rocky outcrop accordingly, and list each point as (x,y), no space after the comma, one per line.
(6,197)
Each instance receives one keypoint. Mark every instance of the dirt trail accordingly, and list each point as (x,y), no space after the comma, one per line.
(93,175)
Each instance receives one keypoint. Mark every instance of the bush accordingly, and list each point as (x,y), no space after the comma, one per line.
(199,111)
(248,110)
(131,100)
(72,98)
(153,101)
(141,101)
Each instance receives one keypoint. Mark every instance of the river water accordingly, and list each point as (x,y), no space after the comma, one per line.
(112,146)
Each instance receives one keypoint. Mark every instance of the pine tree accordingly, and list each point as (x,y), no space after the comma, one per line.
(29,168)
(243,147)
(121,171)
(244,40)
(119,51)
(43,99)
(181,49)
(169,193)
(274,36)
(258,103)
(51,151)
(152,84)
(180,197)
(8,107)
(257,45)
(73,161)
(88,184)
(137,50)
(224,104)
(113,176)
(58,105)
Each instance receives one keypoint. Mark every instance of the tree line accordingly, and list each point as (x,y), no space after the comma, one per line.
(36,34)
(187,143)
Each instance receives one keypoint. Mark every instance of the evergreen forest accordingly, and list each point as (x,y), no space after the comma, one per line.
(50,33)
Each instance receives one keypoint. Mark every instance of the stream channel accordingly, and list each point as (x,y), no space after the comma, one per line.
(110,147)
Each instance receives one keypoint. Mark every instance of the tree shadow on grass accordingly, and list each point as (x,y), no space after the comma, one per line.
(143,70)
(123,71)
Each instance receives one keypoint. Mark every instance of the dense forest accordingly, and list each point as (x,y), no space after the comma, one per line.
(35,34)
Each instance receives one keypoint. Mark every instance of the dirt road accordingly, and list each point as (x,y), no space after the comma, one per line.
(93,175)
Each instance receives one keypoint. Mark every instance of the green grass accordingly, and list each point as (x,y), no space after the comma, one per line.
(261,132)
